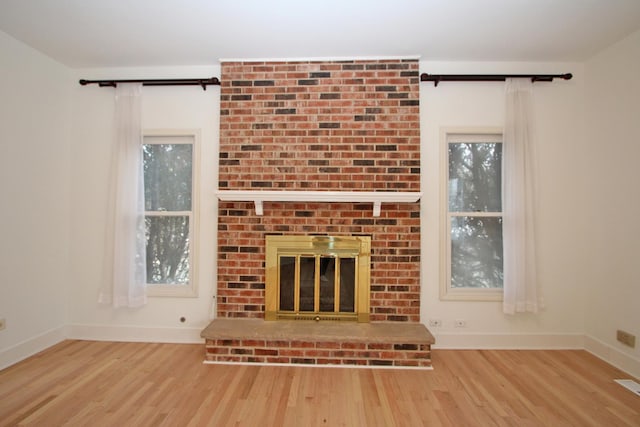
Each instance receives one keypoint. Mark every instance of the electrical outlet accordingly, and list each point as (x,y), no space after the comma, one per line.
(460,323)
(626,338)
(435,323)
(3,324)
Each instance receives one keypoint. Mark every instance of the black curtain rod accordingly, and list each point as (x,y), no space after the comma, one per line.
(157,82)
(437,78)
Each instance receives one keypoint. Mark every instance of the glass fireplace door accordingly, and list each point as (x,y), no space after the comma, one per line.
(317,284)
(329,282)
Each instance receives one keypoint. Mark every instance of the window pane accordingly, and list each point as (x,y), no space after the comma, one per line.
(327,283)
(307,283)
(167,249)
(287,282)
(475,171)
(476,252)
(347,284)
(167,177)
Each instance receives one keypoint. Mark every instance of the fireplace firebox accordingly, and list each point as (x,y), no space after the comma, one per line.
(317,277)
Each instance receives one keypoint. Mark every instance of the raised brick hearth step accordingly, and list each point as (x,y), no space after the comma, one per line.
(399,344)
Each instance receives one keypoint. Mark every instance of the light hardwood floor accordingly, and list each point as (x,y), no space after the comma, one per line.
(137,384)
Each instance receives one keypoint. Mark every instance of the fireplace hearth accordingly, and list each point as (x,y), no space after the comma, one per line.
(375,344)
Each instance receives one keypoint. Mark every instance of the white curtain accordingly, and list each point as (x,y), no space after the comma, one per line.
(521,292)
(125,285)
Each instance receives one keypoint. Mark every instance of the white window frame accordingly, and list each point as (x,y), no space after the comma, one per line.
(448,135)
(189,290)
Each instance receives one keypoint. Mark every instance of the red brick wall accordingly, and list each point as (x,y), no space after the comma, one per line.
(343,125)
(317,352)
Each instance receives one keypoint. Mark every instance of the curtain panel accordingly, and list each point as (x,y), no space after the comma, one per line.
(521,293)
(126,261)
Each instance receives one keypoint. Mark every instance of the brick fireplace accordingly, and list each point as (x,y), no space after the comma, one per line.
(344,125)
(320,126)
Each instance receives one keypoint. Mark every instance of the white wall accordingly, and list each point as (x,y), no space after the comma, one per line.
(34,190)
(163,108)
(558,115)
(611,176)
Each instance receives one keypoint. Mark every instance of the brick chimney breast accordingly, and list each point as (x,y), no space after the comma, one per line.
(320,126)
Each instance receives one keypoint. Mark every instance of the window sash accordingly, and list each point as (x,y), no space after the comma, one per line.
(483,272)
(177,263)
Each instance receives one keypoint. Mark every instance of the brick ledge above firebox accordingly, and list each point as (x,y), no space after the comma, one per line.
(398,344)
(375,197)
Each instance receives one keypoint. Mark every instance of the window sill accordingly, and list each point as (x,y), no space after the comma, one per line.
(470,294)
(175,291)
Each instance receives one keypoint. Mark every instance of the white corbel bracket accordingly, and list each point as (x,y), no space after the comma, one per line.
(377,206)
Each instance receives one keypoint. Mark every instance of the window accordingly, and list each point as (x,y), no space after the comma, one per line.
(170,198)
(472,206)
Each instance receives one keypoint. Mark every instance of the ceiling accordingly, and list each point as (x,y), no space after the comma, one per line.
(119,33)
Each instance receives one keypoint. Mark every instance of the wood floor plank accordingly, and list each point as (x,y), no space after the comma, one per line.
(148,384)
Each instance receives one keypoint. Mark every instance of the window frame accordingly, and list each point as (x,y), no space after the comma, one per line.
(471,135)
(189,290)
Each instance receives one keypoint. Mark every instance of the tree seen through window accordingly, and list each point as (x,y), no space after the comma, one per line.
(168,178)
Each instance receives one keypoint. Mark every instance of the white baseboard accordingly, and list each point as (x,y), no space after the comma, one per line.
(503,341)
(27,348)
(621,360)
(135,334)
